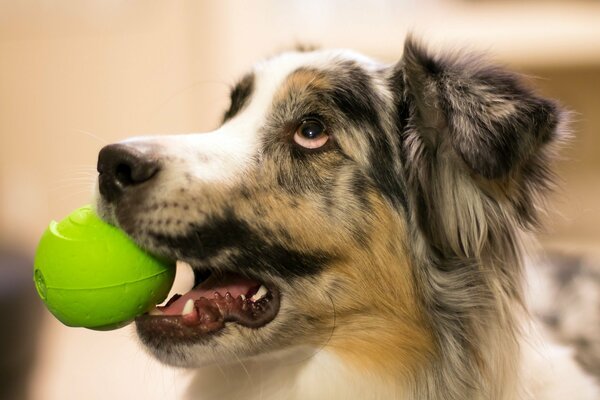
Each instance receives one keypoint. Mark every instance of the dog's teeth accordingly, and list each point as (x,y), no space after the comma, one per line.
(188,308)
(243,296)
(262,291)
(155,311)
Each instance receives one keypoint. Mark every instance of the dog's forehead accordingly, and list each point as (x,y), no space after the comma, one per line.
(269,75)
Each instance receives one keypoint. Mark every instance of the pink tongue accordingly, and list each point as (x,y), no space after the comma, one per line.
(234,284)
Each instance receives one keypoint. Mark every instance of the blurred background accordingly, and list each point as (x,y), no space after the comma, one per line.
(76,75)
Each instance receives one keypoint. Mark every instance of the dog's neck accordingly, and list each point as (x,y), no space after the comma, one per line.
(301,373)
(309,373)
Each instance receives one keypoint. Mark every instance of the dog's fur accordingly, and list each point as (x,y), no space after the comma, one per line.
(398,247)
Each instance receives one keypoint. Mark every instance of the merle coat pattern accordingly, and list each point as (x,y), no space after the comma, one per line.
(385,209)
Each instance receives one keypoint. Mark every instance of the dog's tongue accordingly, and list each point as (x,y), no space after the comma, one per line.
(235,285)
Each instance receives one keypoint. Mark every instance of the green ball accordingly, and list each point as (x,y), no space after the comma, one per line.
(90,274)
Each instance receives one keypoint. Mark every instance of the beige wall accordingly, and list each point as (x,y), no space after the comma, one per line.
(77,75)
(574,217)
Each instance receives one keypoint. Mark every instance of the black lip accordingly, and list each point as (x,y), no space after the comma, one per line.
(159,330)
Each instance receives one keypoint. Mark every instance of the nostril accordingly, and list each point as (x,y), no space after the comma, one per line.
(122,166)
(123,174)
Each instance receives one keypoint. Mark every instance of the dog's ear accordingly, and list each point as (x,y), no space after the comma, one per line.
(493,121)
(477,144)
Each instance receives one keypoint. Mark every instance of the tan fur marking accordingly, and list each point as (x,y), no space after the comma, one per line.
(300,82)
(392,335)
(379,324)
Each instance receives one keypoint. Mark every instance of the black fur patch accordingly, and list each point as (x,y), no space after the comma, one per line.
(250,251)
(360,102)
(240,96)
(383,161)
(353,94)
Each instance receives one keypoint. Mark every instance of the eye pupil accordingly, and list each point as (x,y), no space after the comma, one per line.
(311,129)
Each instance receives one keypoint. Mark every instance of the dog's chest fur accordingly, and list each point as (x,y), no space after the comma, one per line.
(295,375)
(548,372)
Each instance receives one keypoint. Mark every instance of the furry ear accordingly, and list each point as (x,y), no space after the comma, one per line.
(477,148)
(493,121)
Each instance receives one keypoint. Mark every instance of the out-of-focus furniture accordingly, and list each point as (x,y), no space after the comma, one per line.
(20,321)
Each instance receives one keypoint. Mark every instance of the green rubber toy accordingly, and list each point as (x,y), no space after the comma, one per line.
(90,274)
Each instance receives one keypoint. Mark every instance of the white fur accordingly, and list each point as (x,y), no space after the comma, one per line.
(298,374)
(549,372)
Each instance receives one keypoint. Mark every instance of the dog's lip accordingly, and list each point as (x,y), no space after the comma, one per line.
(211,311)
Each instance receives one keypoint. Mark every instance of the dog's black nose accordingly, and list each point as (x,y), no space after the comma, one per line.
(122,167)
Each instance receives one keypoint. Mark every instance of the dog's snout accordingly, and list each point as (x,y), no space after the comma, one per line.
(124,166)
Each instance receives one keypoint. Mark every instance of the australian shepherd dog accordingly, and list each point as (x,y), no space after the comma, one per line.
(357,230)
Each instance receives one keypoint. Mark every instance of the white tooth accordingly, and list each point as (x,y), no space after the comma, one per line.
(155,311)
(243,296)
(262,291)
(188,308)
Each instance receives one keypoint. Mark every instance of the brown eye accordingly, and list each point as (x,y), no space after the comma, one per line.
(311,134)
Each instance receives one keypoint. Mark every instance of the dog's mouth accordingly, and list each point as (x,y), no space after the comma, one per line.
(215,299)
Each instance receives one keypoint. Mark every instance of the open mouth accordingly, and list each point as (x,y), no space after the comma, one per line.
(215,299)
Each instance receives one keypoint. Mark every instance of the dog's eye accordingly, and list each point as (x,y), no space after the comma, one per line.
(311,134)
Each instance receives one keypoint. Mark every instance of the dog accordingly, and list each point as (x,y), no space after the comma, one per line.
(357,230)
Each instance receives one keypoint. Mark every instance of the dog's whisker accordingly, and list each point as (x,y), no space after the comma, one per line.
(76,179)
(239,360)
(75,176)
(92,135)
(87,171)
(83,186)
(218,364)
(87,165)
(71,184)
(78,176)
(183,90)
(70,194)
(61,185)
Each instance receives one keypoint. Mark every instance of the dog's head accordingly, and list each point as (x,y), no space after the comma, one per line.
(342,203)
